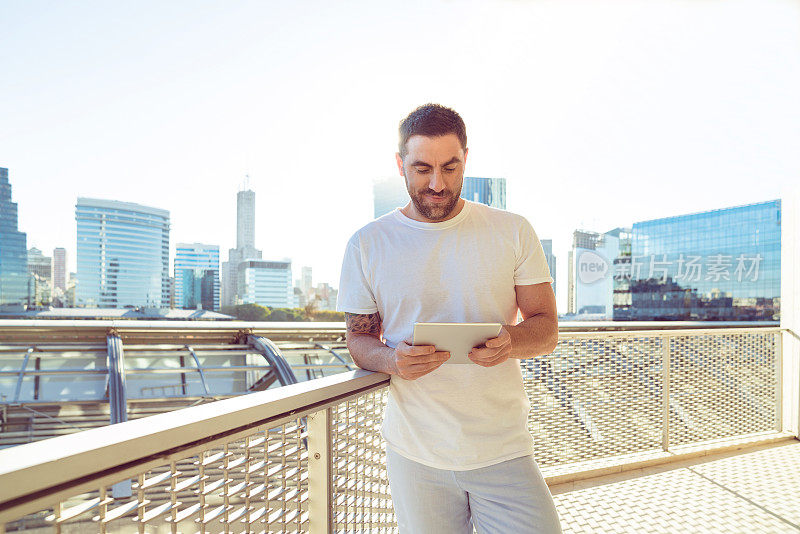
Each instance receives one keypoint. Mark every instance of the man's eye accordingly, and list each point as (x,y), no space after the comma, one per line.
(423,171)
(450,169)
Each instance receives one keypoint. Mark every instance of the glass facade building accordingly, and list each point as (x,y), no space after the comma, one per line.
(122,254)
(267,283)
(197,276)
(716,265)
(13,249)
(489,191)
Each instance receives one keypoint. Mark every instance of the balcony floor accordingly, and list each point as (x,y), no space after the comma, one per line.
(749,491)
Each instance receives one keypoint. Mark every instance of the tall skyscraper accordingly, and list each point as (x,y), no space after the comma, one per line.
(388,194)
(245,219)
(196,271)
(267,283)
(547,245)
(60,268)
(489,191)
(13,249)
(245,247)
(123,254)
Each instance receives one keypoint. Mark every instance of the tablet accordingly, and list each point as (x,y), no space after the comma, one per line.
(456,338)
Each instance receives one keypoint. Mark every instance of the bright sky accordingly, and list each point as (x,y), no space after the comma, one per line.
(598,113)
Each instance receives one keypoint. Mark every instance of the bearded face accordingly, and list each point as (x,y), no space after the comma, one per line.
(433,168)
(434,205)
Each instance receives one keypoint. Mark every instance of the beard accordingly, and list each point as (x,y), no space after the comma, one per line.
(434,212)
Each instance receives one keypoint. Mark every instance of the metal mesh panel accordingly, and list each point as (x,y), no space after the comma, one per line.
(721,385)
(595,397)
(598,395)
(361,498)
(255,484)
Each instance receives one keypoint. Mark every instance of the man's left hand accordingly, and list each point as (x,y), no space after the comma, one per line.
(494,352)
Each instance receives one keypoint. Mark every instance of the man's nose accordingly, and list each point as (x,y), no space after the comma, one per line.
(437,181)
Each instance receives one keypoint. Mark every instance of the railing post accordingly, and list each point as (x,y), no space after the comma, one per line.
(779,381)
(665,363)
(320,473)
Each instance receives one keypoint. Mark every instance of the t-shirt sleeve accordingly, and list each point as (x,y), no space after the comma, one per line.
(355,294)
(531,265)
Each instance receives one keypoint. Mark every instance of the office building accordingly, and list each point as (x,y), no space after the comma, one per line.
(40,265)
(267,283)
(326,296)
(122,254)
(60,268)
(13,249)
(489,191)
(40,281)
(547,246)
(722,264)
(196,271)
(591,272)
(306,282)
(245,247)
(388,194)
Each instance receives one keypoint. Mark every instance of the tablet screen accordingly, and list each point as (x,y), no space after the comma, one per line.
(456,338)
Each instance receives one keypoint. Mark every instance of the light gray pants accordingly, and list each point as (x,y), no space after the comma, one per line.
(508,497)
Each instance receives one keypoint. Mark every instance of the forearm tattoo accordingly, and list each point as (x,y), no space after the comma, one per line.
(363,324)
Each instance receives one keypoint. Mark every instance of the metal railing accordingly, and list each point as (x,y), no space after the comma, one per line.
(241,463)
(58,378)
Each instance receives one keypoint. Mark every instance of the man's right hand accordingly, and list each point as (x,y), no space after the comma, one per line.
(414,361)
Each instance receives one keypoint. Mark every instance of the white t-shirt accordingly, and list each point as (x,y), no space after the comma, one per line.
(463,270)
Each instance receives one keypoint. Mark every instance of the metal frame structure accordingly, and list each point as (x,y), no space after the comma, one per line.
(136,359)
(251,462)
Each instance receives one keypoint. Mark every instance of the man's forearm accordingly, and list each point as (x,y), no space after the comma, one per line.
(534,336)
(368,352)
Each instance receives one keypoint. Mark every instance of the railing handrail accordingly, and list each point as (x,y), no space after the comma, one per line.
(600,326)
(28,469)
(256,327)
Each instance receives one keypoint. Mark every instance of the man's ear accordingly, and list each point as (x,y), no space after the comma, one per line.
(399,163)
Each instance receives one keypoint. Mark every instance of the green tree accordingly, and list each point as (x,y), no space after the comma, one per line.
(247,312)
(328,316)
(287,314)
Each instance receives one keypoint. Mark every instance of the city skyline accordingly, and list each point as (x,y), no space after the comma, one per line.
(605,112)
(117,219)
(247,230)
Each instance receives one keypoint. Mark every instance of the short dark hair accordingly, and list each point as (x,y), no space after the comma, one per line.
(432,120)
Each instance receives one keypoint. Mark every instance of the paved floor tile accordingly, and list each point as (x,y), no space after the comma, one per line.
(750,492)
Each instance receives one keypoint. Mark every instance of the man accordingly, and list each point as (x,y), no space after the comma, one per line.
(458,449)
